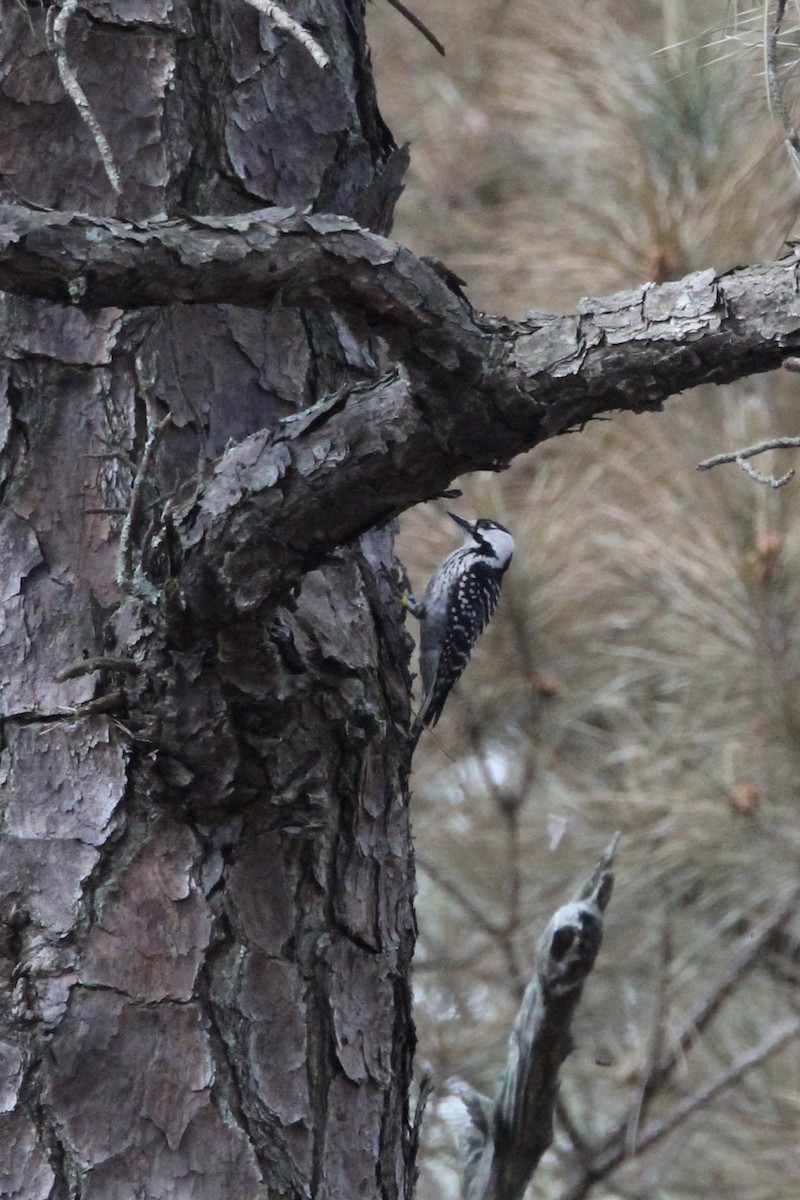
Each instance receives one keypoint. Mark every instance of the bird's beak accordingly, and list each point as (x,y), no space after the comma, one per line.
(460,521)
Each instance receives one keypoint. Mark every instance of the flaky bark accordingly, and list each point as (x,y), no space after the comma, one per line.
(206,894)
(472,391)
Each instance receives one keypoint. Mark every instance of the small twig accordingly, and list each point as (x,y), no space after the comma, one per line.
(781,443)
(751,946)
(655,1049)
(773,481)
(446,962)
(129,578)
(739,457)
(281,18)
(415,21)
(704,1096)
(98,662)
(119,455)
(579,1143)
(112,702)
(473,910)
(58,19)
(507,805)
(774,89)
(412,1172)
(510,811)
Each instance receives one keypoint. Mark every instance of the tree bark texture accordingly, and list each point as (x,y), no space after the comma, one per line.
(205,862)
(472,392)
(206,892)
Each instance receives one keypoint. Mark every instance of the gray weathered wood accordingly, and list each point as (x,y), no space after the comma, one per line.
(510,1135)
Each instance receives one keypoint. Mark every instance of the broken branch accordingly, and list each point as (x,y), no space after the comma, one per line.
(511,1134)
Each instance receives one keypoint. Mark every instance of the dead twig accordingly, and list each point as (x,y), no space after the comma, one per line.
(567,1122)
(507,802)
(740,456)
(112,702)
(699,1100)
(58,19)
(775,93)
(655,1049)
(473,910)
(98,662)
(706,1095)
(295,30)
(412,1173)
(129,578)
(773,481)
(751,946)
(511,1133)
(414,20)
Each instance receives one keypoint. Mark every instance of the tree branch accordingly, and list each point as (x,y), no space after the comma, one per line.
(511,1135)
(740,456)
(470,393)
(705,1096)
(630,350)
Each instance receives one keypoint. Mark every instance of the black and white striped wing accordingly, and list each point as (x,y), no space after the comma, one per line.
(474,599)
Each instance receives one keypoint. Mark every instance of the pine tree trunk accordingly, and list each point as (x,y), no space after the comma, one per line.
(206,890)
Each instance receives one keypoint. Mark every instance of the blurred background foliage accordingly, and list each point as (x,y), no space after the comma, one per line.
(642,670)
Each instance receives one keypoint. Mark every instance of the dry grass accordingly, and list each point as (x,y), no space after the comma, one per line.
(642,671)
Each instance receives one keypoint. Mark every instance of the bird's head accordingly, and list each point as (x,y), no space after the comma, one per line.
(488,537)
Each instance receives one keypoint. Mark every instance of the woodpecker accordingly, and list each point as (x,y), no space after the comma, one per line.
(458,603)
